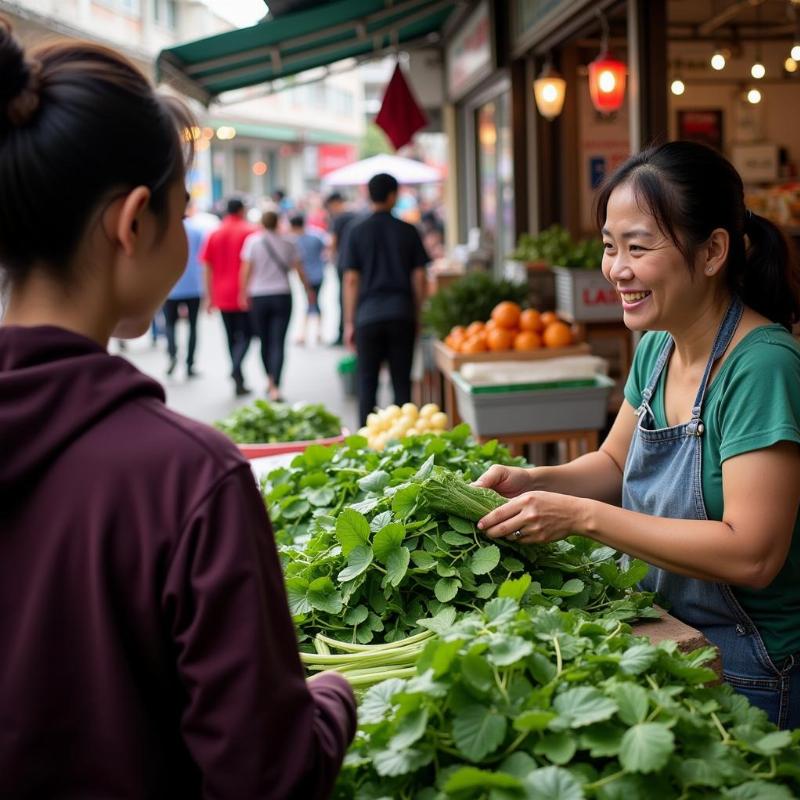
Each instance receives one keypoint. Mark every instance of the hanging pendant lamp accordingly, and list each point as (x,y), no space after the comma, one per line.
(549,90)
(607,76)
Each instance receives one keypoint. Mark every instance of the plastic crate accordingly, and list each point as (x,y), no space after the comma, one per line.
(584,295)
(533,408)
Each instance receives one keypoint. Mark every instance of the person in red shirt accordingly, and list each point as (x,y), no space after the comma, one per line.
(221,256)
(148,652)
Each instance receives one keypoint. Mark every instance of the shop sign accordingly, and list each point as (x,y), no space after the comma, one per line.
(529,13)
(469,53)
(333,156)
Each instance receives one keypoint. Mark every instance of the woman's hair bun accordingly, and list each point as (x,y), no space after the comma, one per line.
(19,80)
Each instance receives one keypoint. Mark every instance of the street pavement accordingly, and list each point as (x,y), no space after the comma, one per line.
(309,373)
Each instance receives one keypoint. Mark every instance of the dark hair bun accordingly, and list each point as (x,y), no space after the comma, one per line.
(19,80)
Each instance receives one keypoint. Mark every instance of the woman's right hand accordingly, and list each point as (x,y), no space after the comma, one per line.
(507,481)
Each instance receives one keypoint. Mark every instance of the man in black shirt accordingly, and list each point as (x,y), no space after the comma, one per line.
(340,219)
(384,287)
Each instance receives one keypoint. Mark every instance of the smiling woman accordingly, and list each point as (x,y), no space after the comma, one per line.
(700,474)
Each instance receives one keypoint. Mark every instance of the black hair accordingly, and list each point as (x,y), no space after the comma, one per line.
(235,206)
(380,186)
(297,221)
(691,190)
(78,122)
(334,197)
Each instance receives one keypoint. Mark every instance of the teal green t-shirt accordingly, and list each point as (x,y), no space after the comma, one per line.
(753,402)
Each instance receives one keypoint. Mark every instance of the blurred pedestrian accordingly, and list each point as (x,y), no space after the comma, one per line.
(267,259)
(148,647)
(221,255)
(384,288)
(187,293)
(311,249)
(340,218)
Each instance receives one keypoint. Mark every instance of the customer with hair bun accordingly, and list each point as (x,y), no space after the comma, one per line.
(147,646)
(703,457)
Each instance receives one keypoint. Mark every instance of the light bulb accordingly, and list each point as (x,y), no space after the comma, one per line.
(758,70)
(790,65)
(677,87)
(754,96)
(796,52)
(550,93)
(718,61)
(607,82)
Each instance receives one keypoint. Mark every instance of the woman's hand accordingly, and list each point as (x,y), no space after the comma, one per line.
(539,517)
(507,481)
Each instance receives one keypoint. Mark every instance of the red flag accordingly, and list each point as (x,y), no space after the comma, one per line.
(400,115)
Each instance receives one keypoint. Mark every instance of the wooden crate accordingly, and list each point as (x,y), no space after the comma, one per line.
(448,360)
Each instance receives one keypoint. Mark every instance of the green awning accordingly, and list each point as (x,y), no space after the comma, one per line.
(294,42)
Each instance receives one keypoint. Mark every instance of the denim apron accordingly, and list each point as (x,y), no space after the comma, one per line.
(663,478)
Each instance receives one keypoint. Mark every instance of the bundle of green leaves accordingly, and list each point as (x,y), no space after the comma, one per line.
(469,299)
(397,554)
(265,422)
(539,703)
(556,247)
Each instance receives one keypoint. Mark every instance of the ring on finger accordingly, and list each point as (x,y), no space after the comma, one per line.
(516,535)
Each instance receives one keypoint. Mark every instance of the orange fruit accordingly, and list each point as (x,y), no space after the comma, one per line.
(489,324)
(458,331)
(475,327)
(527,340)
(557,334)
(530,320)
(506,314)
(474,344)
(500,339)
(548,318)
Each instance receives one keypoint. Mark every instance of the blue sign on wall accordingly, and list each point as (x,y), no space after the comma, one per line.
(597,170)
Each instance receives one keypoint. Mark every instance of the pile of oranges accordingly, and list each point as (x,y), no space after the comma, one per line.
(511,328)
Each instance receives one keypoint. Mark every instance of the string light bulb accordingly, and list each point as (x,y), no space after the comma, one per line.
(758,70)
(677,87)
(754,97)
(790,65)
(718,60)
(795,54)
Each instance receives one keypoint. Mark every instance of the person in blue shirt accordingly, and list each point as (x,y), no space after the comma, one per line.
(311,248)
(187,292)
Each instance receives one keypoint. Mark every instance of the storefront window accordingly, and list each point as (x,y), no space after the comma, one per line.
(495,176)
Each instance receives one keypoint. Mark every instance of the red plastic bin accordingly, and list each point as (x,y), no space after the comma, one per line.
(251,451)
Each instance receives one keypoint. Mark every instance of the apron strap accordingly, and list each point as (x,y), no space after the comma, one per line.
(657,370)
(721,342)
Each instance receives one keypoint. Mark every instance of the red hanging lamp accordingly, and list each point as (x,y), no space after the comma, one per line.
(607,76)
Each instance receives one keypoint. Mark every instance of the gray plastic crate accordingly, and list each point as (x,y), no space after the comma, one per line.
(533,410)
(584,295)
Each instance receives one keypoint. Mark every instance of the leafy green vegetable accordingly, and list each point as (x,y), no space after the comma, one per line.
(499,725)
(469,299)
(266,422)
(444,491)
(556,247)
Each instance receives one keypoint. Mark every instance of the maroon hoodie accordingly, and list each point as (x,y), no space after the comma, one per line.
(146,648)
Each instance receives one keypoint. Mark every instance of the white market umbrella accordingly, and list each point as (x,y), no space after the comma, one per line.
(405,170)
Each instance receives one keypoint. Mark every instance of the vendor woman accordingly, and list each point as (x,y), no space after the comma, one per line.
(700,474)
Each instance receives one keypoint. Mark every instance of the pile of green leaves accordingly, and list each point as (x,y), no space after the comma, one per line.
(323,480)
(372,571)
(265,422)
(545,704)
(556,247)
(469,299)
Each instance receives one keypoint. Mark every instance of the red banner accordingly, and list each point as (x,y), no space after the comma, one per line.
(333,156)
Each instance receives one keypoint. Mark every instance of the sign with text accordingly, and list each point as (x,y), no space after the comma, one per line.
(469,54)
(333,156)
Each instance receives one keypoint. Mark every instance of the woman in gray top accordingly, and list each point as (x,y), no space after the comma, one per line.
(267,259)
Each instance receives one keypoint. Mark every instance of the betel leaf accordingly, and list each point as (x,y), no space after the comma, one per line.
(478,730)
(638,658)
(646,747)
(553,783)
(399,762)
(297,592)
(632,701)
(357,562)
(410,729)
(397,565)
(460,525)
(323,496)
(356,615)
(535,720)
(446,589)
(456,539)
(476,672)
(602,740)
(485,559)
(505,650)
(375,482)
(380,520)
(322,596)
(515,588)
(758,790)
(557,747)
(377,701)
(352,530)
(405,501)
(582,706)
(500,610)
(387,540)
